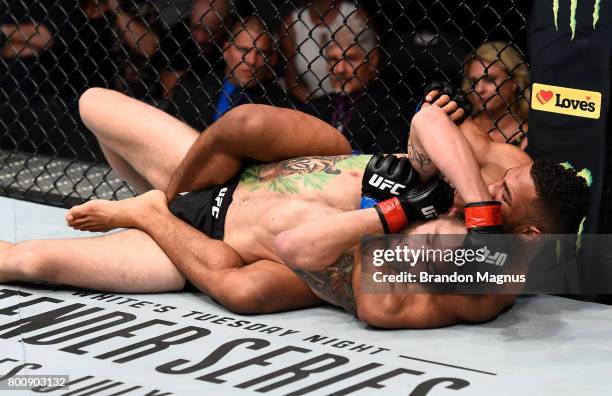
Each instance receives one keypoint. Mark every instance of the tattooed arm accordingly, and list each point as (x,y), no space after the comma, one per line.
(437,144)
(340,284)
(393,305)
(334,283)
(424,311)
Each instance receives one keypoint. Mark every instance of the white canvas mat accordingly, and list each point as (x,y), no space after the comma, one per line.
(159,345)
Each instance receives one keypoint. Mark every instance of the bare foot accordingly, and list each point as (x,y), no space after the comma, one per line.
(101,215)
(4,247)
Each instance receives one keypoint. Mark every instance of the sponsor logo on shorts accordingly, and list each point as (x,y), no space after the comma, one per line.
(218,201)
(381,183)
(568,101)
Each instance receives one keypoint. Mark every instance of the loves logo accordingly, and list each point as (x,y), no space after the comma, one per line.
(568,101)
(575,104)
(544,96)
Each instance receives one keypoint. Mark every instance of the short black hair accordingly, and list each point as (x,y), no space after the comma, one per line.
(565,196)
(250,22)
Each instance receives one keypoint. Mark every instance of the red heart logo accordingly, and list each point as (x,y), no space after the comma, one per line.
(544,96)
(588,98)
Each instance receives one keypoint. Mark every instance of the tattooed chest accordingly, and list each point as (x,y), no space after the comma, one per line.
(299,174)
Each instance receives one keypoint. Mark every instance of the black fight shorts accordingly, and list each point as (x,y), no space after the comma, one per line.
(206,209)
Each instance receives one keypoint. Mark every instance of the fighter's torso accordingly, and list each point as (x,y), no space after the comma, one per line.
(273,198)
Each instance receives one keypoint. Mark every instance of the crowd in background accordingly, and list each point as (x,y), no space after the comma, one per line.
(359,66)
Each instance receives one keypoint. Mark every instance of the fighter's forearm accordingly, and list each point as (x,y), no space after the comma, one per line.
(193,253)
(437,144)
(317,245)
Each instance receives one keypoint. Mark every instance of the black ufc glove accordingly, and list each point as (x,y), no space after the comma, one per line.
(386,177)
(454,93)
(426,201)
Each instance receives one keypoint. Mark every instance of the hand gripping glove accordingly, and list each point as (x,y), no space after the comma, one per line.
(455,94)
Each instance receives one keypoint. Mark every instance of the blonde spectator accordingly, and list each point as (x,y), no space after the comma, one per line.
(497,81)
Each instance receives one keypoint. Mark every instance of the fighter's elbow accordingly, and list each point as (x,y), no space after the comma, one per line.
(287,249)
(485,308)
(377,310)
(409,312)
(382,318)
(371,316)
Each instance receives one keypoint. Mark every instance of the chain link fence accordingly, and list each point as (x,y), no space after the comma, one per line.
(362,67)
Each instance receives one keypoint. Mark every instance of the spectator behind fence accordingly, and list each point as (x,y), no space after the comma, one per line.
(305,32)
(361,107)
(193,43)
(28,109)
(106,44)
(27,31)
(248,78)
(497,80)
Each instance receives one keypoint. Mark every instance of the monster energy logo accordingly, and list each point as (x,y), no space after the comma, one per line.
(573,8)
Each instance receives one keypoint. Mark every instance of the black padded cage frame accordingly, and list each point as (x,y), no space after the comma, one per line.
(52,51)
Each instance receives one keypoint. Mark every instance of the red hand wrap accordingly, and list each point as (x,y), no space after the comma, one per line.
(392,214)
(483,214)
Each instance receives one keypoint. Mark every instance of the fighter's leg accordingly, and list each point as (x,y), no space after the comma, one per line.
(142,143)
(130,262)
(259,132)
(262,287)
(145,145)
(125,170)
(127,261)
(268,134)
(4,247)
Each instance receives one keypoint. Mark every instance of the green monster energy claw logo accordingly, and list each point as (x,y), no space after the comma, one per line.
(573,8)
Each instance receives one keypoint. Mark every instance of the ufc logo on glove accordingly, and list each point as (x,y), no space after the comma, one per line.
(381,183)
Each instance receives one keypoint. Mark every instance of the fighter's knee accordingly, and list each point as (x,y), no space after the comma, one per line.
(89,102)
(246,119)
(89,98)
(26,261)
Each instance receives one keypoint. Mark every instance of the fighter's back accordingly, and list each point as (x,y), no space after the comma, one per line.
(273,198)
